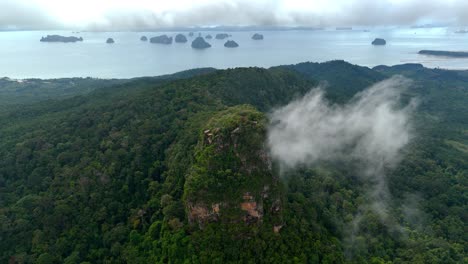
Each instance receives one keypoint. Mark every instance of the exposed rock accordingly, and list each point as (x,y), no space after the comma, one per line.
(110,41)
(231,44)
(163,39)
(144,38)
(209,37)
(180,38)
(58,38)
(191,34)
(231,153)
(203,214)
(277,228)
(200,43)
(257,36)
(222,36)
(379,42)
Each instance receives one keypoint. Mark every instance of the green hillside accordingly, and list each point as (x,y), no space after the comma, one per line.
(175,170)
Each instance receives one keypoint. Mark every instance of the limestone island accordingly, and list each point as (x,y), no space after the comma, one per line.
(257,36)
(221,36)
(231,44)
(180,38)
(58,38)
(110,41)
(144,38)
(442,53)
(191,34)
(200,43)
(209,37)
(379,42)
(163,39)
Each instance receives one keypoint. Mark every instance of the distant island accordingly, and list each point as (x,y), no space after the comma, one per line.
(231,44)
(191,34)
(257,36)
(58,38)
(163,39)
(222,36)
(379,42)
(144,38)
(209,37)
(344,28)
(180,38)
(462,31)
(110,41)
(200,43)
(442,53)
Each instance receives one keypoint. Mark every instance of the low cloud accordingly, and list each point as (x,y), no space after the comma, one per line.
(369,133)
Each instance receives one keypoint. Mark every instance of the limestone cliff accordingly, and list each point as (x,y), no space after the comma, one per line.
(231,180)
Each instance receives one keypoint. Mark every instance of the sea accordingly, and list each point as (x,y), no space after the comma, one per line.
(23,56)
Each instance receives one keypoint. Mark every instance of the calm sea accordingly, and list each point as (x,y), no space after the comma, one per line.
(23,56)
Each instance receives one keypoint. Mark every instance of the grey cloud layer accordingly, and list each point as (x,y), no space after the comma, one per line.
(24,14)
(16,14)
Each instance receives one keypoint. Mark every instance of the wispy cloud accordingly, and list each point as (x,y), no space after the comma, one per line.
(369,132)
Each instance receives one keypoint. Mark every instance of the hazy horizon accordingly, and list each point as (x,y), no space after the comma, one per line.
(120,15)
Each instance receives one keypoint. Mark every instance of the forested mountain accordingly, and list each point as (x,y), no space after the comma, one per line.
(174,169)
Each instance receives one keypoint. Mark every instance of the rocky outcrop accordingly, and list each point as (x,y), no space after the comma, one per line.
(180,38)
(58,38)
(208,36)
(231,44)
(379,42)
(163,39)
(200,43)
(144,38)
(231,180)
(257,36)
(110,41)
(191,34)
(222,36)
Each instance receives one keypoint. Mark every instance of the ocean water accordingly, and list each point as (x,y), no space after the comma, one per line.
(22,55)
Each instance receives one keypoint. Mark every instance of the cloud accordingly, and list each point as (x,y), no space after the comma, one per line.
(144,14)
(369,133)
(18,14)
(371,128)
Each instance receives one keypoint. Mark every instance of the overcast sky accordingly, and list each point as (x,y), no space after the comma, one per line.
(153,14)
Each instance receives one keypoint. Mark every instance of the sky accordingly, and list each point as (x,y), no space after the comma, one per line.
(154,14)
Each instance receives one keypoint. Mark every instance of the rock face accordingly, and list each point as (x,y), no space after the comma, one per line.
(180,38)
(163,39)
(231,180)
(379,42)
(231,44)
(222,36)
(144,38)
(257,36)
(209,37)
(200,43)
(58,38)
(110,41)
